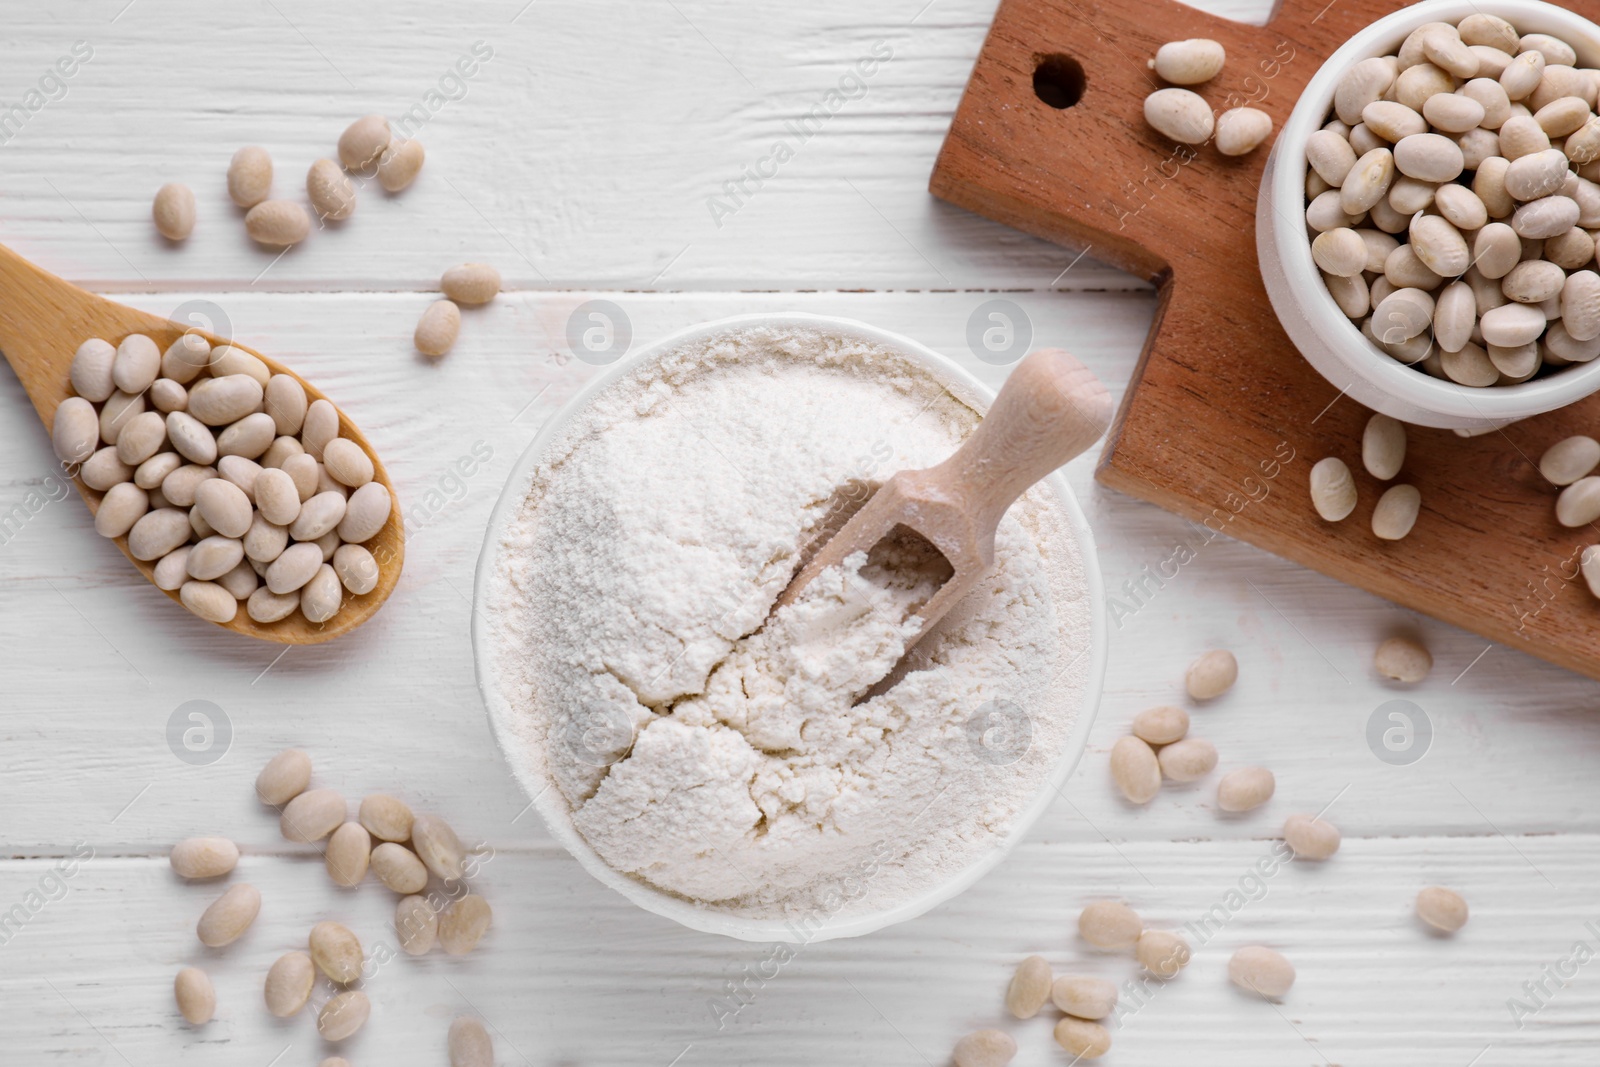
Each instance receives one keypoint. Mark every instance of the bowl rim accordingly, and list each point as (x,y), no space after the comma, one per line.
(547,798)
(1287,187)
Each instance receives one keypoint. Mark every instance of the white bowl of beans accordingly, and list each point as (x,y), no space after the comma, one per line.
(1413,215)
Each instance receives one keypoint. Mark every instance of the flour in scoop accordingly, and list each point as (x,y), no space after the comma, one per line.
(789,766)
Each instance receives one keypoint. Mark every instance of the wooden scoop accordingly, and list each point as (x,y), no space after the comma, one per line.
(43,319)
(1049,410)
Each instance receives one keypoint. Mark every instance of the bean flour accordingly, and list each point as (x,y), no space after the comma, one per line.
(767,768)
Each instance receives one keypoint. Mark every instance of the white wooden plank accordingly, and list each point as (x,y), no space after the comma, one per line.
(568,162)
(570,973)
(124,658)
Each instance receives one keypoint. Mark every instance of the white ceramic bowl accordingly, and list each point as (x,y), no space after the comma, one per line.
(1330,341)
(553,806)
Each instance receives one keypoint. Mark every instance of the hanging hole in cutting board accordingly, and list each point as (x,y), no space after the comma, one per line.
(1058,80)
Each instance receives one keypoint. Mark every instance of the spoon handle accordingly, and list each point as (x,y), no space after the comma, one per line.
(1050,409)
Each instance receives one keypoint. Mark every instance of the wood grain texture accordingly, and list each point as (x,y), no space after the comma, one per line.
(44,320)
(1227,419)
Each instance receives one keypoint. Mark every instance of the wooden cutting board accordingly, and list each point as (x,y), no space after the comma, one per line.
(1224,418)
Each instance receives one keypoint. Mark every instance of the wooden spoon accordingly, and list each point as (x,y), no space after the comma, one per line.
(1050,409)
(42,322)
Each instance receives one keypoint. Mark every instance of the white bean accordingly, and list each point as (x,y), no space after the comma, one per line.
(1569,459)
(336,951)
(285,777)
(1084,998)
(416,924)
(1245,789)
(363,141)
(213,557)
(348,854)
(1441,908)
(1241,130)
(1110,924)
(1262,971)
(317,516)
(366,513)
(1402,660)
(196,997)
(330,191)
(224,506)
(312,815)
(321,596)
(220,401)
(470,283)
(399,164)
(265,606)
(1135,769)
(173,211)
(984,1048)
(158,532)
(1029,988)
(1180,115)
(1161,725)
(285,400)
(1311,837)
(208,600)
(462,924)
(289,983)
(1383,446)
(91,370)
(399,868)
(437,846)
(277,223)
(229,916)
(1162,953)
(121,507)
(115,413)
(250,176)
(1396,512)
(75,430)
(356,568)
(1082,1039)
(343,1015)
(1188,760)
(440,324)
(293,568)
(204,857)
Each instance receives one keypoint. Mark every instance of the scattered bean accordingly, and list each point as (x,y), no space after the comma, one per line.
(1189,62)
(1162,953)
(204,857)
(1161,725)
(1029,988)
(1110,924)
(984,1048)
(385,818)
(1245,789)
(336,952)
(469,1043)
(401,161)
(289,982)
(348,854)
(363,141)
(1441,908)
(1188,760)
(197,998)
(441,323)
(331,193)
(229,916)
(1261,970)
(416,924)
(1082,1039)
(1240,130)
(1180,115)
(1569,459)
(437,846)
(399,868)
(1403,660)
(278,223)
(1311,837)
(470,283)
(1211,674)
(285,777)
(312,815)
(1396,512)
(343,1015)
(1085,998)
(173,211)
(462,924)
(250,176)
(1135,769)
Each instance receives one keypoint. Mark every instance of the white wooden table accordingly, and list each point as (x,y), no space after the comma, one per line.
(581,158)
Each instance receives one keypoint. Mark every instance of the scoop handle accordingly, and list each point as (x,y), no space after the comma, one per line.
(1050,409)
